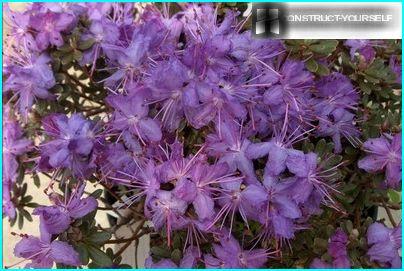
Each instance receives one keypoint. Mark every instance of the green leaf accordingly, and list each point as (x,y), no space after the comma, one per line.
(77,55)
(160,252)
(320,245)
(37,181)
(394,196)
(99,237)
(97,193)
(20,221)
(83,253)
(176,255)
(26,214)
(378,70)
(66,59)
(86,44)
(99,257)
(311,65)
(320,147)
(322,70)
(324,47)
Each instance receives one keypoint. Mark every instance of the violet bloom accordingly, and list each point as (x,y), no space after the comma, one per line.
(49,26)
(14,144)
(142,181)
(104,33)
(229,254)
(336,109)
(235,197)
(337,124)
(279,211)
(230,146)
(131,115)
(205,177)
(337,248)
(131,60)
(57,218)
(30,79)
(20,31)
(384,244)
(43,253)
(71,145)
(170,86)
(218,100)
(309,177)
(395,66)
(337,91)
(363,47)
(189,260)
(277,149)
(167,211)
(288,89)
(383,153)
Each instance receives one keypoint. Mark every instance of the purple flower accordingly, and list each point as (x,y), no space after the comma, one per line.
(144,181)
(104,33)
(131,114)
(71,146)
(339,123)
(43,253)
(337,248)
(57,218)
(288,89)
(30,79)
(49,26)
(166,211)
(395,66)
(235,197)
(279,211)
(383,153)
(230,146)
(337,101)
(205,176)
(229,254)
(20,32)
(363,47)
(309,176)
(14,145)
(189,260)
(384,245)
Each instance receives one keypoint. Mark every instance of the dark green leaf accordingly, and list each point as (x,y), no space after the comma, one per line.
(99,237)
(99,257)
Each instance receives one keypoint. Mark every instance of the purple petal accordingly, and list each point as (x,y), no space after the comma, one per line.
(64,253)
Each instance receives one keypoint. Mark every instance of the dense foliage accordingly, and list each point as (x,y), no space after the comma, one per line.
(229,151)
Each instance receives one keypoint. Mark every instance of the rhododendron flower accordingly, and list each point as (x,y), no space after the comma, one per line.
(384,244)
(229,254)
(58,217)
(384,153)
(50,25)
(31,78)
(337,248)
(131,115)
(14,144)
(71,145)
(189,260)
(43,253)
(363,47)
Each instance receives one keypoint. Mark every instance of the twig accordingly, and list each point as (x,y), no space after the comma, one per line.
(389,214)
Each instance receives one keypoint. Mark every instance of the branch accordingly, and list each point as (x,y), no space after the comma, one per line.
(389,214)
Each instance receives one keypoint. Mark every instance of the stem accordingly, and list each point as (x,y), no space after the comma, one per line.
(389,214)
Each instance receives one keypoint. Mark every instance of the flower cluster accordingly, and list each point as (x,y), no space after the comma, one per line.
(202,127)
